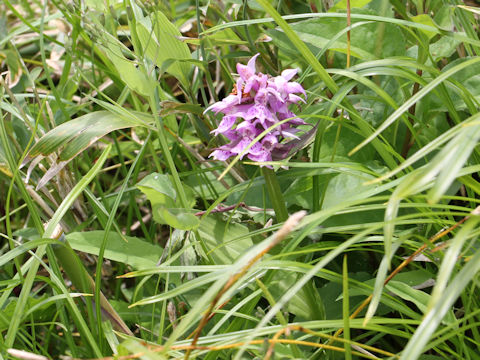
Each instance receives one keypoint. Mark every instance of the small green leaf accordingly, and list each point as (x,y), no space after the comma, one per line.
(127,69)
(161,41)
(125,249)
(425,20)
(165,205)
(159,189)
(342,4)
(225,242)
(178,218)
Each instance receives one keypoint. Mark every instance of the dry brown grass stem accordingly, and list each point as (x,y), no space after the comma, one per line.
(280,235)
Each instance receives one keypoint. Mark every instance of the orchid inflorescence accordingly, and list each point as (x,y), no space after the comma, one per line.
(259,101)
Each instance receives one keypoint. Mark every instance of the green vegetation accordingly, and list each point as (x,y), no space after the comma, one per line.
(121,238)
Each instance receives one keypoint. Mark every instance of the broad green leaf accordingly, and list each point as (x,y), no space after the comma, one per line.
(76,135)
(299,305)
(133,76)
(425,20)
(71,138)
(166,207)
(225,241)
(133,251)
(180,219)
(317,33)
(444,48)
(159,189)
(343,187)
(160,40)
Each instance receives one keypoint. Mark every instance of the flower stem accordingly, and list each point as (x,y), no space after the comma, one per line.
(275,194)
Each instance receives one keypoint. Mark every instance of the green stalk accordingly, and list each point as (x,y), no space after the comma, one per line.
(275,194)
(171,165)
(317,145)
(346,312)
(100,300)
(166,153)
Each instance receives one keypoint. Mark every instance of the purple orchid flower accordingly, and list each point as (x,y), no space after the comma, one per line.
(257,102)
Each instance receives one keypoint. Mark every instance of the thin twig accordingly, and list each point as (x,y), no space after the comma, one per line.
(221,208)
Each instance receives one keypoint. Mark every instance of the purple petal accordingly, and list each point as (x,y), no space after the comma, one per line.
(245,71)
(269,141)
(247,130)
(241,110)
(294,87)
(290,133)
(289,73)
(251,62)
(239,85)
(253,83)
(231,135)
(261,113)
(261,102)
(221,155)
(276,94)
(240,146)
(292,98)
(226,124)
(296,121)
(223,106)
(278,107)
(261,156)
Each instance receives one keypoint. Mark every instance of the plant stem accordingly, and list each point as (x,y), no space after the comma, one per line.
(275,194)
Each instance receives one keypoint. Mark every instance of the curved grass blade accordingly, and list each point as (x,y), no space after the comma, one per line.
(413,100)
(49,233)
(432,319)
(75,136)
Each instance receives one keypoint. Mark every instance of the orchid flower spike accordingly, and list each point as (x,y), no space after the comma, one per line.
(257,102)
